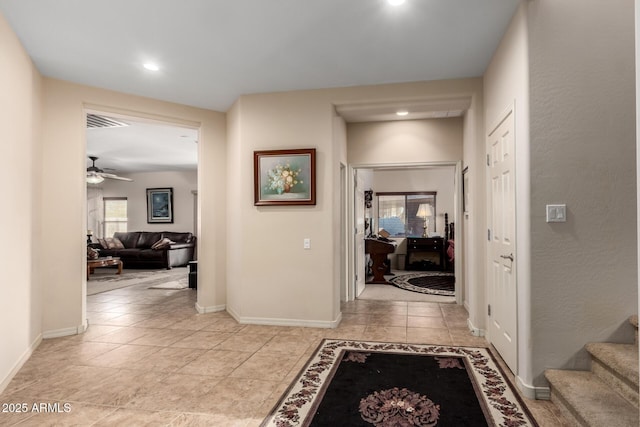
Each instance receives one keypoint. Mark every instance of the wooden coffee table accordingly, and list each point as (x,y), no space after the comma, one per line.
(92,264)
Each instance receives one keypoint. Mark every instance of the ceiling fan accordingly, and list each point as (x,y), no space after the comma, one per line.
(95,175)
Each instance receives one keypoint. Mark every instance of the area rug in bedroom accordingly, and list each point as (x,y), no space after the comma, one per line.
(357,383)
(426,282)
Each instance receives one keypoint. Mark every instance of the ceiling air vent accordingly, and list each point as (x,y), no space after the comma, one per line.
(96,121)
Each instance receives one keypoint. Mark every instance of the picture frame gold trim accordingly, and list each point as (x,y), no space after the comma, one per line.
(284,177)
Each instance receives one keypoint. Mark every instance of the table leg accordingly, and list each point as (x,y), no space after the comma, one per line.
(379,268)
(119,267)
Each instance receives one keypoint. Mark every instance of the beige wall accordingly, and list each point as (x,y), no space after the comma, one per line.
(339,220)
(471,230)
(274,278)
(20,132)
(637,52)
(406,141)
(235,224)
(583,272)
(63,228)
(182,182)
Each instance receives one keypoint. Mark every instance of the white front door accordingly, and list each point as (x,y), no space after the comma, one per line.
(359,256)
(502,286)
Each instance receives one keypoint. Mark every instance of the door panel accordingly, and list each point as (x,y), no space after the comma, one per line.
(502,286)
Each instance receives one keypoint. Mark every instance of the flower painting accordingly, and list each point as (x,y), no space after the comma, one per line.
(284,177)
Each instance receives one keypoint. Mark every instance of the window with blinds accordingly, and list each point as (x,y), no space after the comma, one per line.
(115,215)
(400,215)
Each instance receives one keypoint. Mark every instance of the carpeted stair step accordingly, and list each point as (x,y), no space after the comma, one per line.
(617,366)
(587,401)
(634,322)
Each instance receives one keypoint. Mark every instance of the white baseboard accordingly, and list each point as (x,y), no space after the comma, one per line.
(21,361)
(211,309)
(532,392)
(233,314)
(475,331)
(287,322)
(65,332)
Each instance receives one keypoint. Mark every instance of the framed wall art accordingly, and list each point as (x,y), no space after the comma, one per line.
(159,205)
(284,177)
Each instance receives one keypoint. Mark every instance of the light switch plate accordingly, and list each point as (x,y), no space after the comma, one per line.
(307,243)
(556,213)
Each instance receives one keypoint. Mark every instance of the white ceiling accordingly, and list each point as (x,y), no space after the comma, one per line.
(210,52)
(143,147)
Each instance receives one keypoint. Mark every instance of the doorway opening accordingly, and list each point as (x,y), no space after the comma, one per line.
(150,168)
(386,199)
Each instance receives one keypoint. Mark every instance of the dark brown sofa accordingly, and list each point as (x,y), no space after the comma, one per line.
(138,252)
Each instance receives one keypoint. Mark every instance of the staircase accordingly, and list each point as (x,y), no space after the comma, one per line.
(605,396)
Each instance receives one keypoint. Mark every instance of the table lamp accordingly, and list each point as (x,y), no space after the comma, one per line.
(425,211)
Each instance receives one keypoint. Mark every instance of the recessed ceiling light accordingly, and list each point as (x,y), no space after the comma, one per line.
(395,2)
(151,66)
(402,112)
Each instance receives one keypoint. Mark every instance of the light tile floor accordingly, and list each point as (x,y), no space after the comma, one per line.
(149,359)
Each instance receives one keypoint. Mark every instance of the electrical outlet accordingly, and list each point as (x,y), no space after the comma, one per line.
(306,243)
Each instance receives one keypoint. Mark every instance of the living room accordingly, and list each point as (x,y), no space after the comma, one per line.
(134,163)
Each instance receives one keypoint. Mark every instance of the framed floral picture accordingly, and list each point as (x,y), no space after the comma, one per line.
(284,177)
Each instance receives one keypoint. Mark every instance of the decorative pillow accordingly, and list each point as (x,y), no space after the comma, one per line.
(162,243)
(111,243)
(103,243)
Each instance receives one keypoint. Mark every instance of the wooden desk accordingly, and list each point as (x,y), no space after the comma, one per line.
(422,250)
(92,264)
(378,251)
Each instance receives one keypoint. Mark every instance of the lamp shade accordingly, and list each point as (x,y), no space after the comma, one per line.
(93,178)
(425,210)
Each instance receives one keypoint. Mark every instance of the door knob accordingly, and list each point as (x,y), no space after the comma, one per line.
(509,257)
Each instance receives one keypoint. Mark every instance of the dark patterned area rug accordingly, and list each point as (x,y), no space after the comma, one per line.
(426,282)
(354,383)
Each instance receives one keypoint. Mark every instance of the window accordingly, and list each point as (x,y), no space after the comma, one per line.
(397,212)
(115,215)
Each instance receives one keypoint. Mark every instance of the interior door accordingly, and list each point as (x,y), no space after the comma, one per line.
(502,287)
(358,220)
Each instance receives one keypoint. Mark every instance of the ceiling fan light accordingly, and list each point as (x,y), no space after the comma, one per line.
(94,179)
